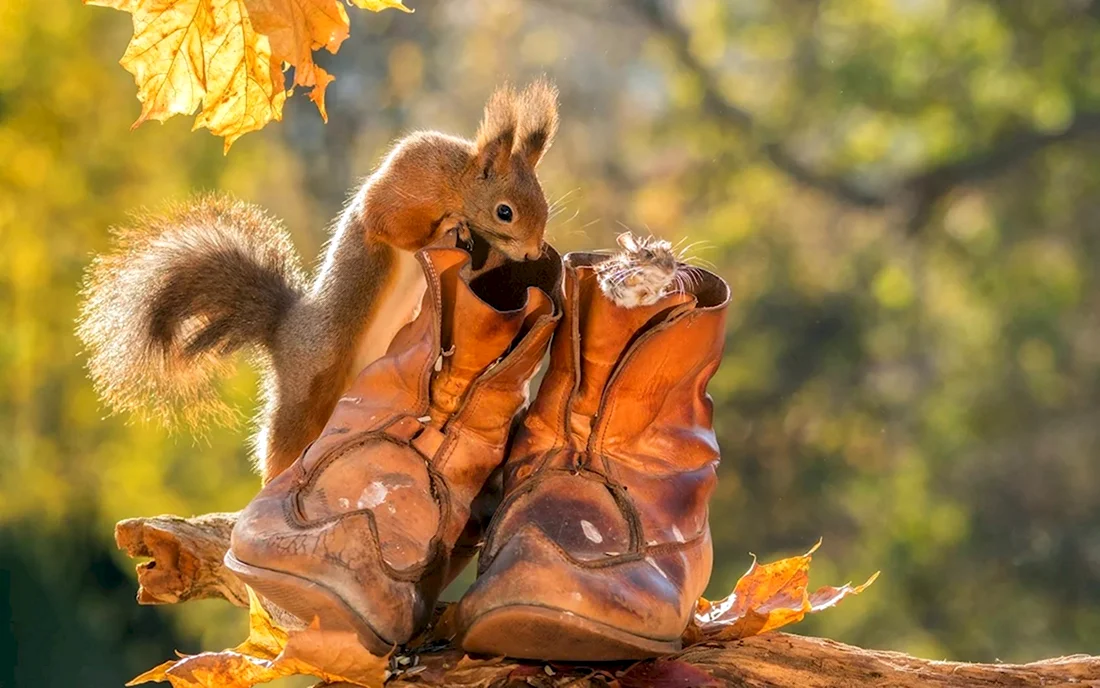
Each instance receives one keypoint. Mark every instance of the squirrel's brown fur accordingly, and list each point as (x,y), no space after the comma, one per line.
(184,289)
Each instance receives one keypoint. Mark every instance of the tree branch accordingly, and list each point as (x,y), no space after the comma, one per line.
(720,107)
(920,191)
(187,566)
(928,187)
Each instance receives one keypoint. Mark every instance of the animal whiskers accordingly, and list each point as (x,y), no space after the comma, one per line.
(557,225)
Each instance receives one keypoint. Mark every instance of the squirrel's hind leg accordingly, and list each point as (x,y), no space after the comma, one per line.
(291,428)
(295,415)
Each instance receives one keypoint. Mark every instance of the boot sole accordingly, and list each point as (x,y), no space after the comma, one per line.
(308,600)
(533,632)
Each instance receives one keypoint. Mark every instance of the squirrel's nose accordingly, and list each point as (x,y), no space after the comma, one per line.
(534,253)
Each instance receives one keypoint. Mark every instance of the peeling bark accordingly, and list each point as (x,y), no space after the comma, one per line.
(186,558)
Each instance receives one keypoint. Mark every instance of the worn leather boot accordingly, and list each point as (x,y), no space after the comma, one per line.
(601,546)
(359,533)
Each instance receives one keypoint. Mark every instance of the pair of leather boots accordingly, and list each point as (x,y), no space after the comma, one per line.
(599,546)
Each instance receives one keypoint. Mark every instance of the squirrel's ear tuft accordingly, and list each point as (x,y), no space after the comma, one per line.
(538,119)
(497,131)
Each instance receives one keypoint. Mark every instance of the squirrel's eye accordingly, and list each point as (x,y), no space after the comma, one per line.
(504,212)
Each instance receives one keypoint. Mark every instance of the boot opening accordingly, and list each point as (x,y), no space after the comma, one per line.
(504,287)
(710,290)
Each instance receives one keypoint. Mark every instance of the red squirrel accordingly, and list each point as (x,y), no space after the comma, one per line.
(183,290)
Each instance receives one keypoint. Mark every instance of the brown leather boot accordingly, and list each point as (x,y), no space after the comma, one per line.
(601,546)
(359,532)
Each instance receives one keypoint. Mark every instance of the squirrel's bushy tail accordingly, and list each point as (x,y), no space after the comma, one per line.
(181,291)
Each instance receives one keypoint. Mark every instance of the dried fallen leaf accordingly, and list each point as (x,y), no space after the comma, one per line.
(667,673)
(525,671)
(226,57)
(270,653)
(767,597)
(478,673)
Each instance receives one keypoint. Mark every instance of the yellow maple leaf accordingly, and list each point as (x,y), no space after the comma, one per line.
(270,653)
(244,80)
(226,58)
(318,24)
(379,5)
(166,55)
(767,597)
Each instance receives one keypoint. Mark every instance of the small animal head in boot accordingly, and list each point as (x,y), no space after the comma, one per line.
(641,273)
(503,201)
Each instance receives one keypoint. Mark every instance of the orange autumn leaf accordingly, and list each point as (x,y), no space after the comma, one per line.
(767,597)
(270,653)
(226,58)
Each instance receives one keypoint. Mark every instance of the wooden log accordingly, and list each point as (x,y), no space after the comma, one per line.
(783,659)
(186,558)
(771,660)
(187,565)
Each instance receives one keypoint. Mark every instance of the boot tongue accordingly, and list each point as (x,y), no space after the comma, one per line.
(606,332)
(474,334)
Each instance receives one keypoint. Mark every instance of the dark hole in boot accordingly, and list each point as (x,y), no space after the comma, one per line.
(505,286)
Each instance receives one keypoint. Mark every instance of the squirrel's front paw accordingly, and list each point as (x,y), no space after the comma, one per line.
(451,222)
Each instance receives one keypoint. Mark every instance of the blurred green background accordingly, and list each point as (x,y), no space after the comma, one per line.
(903,195)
